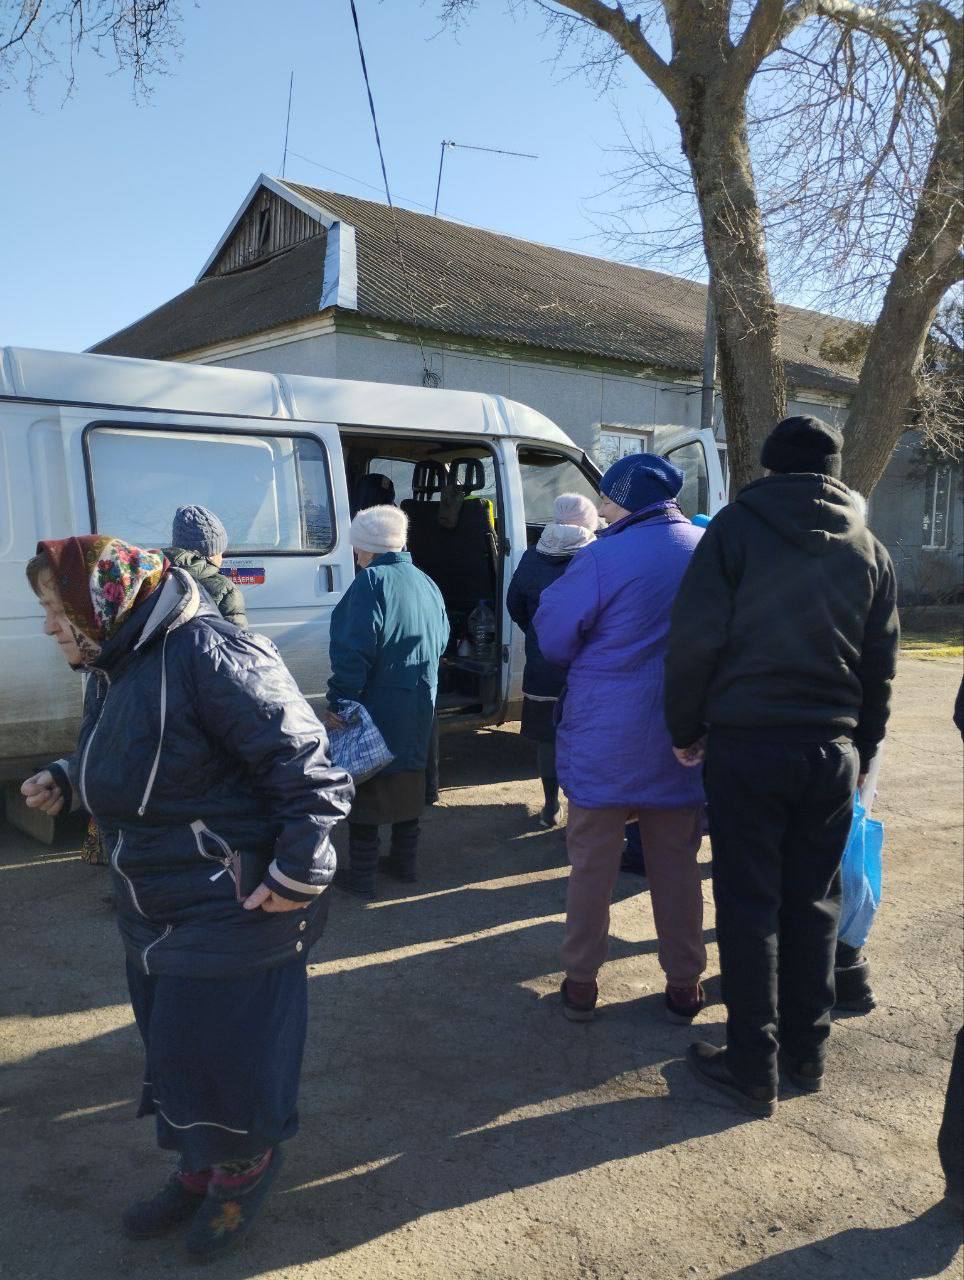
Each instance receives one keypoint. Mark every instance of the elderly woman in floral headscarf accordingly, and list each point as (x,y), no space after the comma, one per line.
(208,775)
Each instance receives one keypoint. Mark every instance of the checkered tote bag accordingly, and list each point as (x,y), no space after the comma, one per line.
(359,748)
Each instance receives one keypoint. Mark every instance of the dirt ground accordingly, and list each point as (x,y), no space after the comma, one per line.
(454,1125)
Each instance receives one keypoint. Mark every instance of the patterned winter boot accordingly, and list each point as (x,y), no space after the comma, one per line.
(400,863)
(359,876)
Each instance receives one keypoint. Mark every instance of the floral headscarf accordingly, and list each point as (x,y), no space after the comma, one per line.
(101,579)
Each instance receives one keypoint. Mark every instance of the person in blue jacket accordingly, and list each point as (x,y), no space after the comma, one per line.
(573,528)
(388,634)
(605,621)
(208,776)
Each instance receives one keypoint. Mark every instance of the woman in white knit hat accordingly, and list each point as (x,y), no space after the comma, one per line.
(574,527)
(388,634)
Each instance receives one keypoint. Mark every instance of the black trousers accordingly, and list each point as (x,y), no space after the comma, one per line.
(950,1140)
(779,813)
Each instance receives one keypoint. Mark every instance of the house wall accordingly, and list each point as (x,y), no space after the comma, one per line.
(582,400)
(897,511)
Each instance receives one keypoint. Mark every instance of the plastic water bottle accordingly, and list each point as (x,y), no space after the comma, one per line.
(481,628)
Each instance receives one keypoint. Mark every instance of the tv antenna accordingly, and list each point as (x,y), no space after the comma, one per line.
(284,158)
(465,146)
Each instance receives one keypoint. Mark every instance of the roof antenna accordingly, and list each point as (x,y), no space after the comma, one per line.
(284,158)
(496,151)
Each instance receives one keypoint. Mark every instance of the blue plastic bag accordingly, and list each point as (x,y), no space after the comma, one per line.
(359,747)
(860,874)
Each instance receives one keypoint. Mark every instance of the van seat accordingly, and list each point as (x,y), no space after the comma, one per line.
(461,560)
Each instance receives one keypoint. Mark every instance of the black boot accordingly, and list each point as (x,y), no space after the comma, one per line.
(171,1206)
(400,863)
(852,979)
(359,876)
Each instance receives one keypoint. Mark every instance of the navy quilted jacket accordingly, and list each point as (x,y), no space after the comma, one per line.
(197,747)
(536,571)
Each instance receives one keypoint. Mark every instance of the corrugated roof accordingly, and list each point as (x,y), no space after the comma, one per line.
(285,287)
(475,283)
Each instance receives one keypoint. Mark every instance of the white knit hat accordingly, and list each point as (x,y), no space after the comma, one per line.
(573,508)
(379,529)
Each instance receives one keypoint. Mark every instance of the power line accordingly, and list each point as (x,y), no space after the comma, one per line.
(429,377)
(351,178)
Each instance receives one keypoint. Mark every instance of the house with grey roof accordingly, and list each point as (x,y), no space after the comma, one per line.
(315,282)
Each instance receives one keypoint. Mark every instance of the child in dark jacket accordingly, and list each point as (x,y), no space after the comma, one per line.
(198,543)
(574,527)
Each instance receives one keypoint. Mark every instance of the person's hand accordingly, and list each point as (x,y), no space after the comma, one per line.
(267,900)
(692,755)
(333,721)
(42,792)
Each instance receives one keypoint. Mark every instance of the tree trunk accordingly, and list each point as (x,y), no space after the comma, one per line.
(928,266)
(751,368)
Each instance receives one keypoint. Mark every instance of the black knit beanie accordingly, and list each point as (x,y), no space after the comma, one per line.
(803,444)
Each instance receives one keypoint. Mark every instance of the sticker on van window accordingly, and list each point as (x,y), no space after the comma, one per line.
(245,575)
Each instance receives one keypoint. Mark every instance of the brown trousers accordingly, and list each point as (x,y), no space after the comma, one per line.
(671,841)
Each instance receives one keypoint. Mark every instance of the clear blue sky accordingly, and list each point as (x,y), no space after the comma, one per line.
(111,207)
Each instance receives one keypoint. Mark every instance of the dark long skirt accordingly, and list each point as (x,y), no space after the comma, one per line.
(389,797)
(538,720)
(223,1060)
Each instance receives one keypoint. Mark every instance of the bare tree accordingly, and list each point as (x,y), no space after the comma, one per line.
(874,105)
(39,35)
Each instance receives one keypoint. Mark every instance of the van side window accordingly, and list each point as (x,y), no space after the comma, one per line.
(544,476)
(694,497)
(272,493)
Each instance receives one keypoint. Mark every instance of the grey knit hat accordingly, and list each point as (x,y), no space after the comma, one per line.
(197,529)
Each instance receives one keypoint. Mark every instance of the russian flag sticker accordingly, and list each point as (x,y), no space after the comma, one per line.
(245,575)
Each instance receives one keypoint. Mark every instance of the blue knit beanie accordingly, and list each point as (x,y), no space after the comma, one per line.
(639,480)
(197,529)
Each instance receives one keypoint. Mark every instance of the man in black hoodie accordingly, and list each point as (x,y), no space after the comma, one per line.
(782,650)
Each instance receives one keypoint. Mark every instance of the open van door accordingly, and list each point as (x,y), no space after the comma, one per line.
(697,455)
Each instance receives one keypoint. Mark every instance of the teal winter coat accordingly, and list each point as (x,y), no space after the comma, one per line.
(388,634)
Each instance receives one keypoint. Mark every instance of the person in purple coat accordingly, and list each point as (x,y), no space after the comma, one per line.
(606,621)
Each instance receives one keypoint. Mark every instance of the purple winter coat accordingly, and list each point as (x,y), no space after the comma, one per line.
(606,621)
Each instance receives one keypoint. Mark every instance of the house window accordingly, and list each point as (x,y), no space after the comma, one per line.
(272,493)
(937,508)
(615,444)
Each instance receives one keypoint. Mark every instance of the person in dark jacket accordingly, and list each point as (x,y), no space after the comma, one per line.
(198,543)
(783,648)
(388,634)
(573,528)
(605,621)
(208,774)
(374,489)
(950,1138)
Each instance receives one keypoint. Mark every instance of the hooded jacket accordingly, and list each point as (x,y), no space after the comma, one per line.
(226,594)
(196,745)
(785,626)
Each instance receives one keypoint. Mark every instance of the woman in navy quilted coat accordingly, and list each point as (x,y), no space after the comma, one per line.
(605,622)
(572,529)
(208,776)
